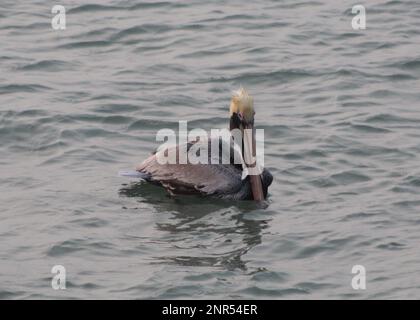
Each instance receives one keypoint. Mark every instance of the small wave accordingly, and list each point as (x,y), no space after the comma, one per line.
(159,4)
(144,124)
(369,129)
(322,182)
(302,4)
(263,77)
(98,32)
(25,113)
(93,7)
(141,29)
(56,145)
(349,177)
(7,58)
(270,277)
(384,93)
(47,65)
(90,222)
(29,88)
(87,8)
(116,108)
(314,286)
(76,245)
(64,248)
(255,291)
(392,246)
(85,44)
(7,294)
(117,119)
(412,64)
(361,215)
(412,181)
(408,204)
(325,246)
(400,77)
(26,28)
(390,118)
(394,3)
(245,17)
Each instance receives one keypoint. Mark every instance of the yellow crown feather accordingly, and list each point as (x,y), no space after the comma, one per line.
(242,103)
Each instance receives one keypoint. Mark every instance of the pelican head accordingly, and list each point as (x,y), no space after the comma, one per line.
(241,110)
(242,117)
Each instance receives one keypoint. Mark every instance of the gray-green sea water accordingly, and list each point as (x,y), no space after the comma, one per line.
(340,110)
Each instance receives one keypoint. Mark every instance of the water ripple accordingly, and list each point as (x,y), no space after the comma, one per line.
(339,109)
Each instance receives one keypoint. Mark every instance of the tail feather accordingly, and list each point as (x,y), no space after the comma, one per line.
(133,174)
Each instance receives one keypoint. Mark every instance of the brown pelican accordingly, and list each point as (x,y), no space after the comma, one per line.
(221,179)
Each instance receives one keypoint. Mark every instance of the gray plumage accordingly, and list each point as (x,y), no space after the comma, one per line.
(213,179)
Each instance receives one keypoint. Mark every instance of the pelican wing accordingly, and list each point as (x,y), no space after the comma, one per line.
(220,180)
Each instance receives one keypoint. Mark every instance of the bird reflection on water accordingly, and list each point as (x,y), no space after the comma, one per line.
(229,223)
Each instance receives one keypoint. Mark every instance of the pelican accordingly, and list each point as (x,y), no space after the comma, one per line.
(219,180)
